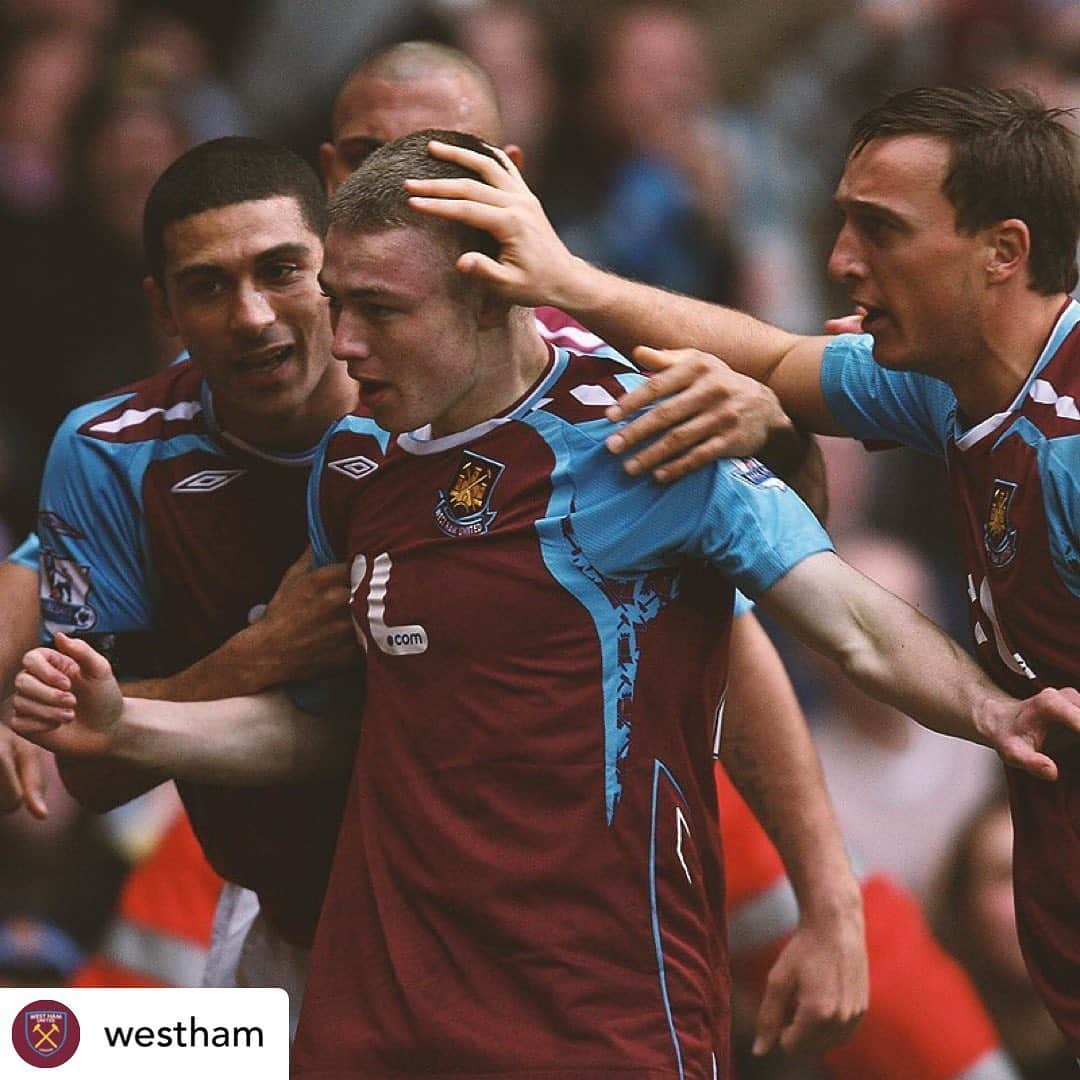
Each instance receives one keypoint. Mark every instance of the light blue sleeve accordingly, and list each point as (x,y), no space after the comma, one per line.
(734,514)
(26,554)
(868,401)
(1059,470)
(93,570)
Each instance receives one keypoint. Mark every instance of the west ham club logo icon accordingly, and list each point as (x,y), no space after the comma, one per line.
(463,510)
(999,536)
(45,1034)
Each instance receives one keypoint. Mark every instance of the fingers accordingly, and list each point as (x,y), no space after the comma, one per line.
(774,1007)
(477,215)
(499,171)
(92,665)
(484,268)
(676,370)
(51,667)
(458,188)
(29,763)
(678,442)
(36,700)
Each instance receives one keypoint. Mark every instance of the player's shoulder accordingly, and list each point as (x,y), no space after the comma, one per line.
(353,446)
(167,404)
(582,386)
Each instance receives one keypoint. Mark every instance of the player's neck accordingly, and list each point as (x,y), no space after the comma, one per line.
(1013,336)
(300,428)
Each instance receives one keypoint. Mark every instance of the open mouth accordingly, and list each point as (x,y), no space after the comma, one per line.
(265,361)
(872,315)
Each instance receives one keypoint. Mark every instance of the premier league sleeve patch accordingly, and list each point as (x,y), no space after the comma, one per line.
(64,591)
(464,509)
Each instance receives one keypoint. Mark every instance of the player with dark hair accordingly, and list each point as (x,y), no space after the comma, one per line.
(171,510)
(961,214)
(528,879)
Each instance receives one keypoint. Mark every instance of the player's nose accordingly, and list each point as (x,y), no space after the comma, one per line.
(250,311)
(845,261)
(350,344)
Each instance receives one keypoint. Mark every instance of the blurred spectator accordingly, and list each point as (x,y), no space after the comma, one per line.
(35,953)
(511,43)
(79,322)
(976,921)
(652,195)
(43,78)
(62,869)
(901,792)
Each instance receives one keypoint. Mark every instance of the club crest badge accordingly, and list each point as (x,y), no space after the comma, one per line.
(999,535)
(65,587)
(45,1034)
(464,509)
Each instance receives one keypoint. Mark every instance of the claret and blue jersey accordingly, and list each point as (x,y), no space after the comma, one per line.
(1016,487)
(160,538)
(527,879)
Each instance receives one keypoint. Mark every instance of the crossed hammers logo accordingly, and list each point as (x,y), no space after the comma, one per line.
(46,1036)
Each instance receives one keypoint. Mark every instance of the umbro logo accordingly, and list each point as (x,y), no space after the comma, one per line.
(208,480)
(354,467)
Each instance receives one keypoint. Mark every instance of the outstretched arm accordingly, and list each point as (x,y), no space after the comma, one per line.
(898,656)
(817,989)
(67,700)
(305,632)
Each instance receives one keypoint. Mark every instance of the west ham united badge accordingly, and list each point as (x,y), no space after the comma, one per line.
(45,1034)
(999,535)
(464,508)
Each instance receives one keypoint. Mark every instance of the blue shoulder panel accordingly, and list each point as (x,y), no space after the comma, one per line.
(321,548)
(870,402)
(26,554)
(616,543)
(95,572)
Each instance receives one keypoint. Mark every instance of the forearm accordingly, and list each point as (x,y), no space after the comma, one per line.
(627,314)
(235,669)
(770,756)
(883,645)
(253,740)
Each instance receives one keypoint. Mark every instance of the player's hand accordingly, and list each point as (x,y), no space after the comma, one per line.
(534,265)
(307,630)
(818,989)
(846,324)
(706,411)
(22,764)
(67,699)
(1020,730)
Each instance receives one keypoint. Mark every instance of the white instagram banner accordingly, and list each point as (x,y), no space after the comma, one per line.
(166,1034)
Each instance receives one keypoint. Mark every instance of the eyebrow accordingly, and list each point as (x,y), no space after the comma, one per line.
(280,251)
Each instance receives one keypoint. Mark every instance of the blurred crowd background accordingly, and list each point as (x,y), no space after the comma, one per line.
(692,145)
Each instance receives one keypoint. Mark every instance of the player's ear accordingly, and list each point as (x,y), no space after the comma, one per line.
(327,157)
(159,305)
(1010,247)
(516,155)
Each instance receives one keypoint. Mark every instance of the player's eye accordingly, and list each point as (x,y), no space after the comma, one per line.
(280,273)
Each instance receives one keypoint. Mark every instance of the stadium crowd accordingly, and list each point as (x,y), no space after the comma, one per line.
(691,146)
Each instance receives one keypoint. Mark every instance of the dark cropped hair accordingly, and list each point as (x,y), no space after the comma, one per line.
(1009,157)
(374,197)
(224,172)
